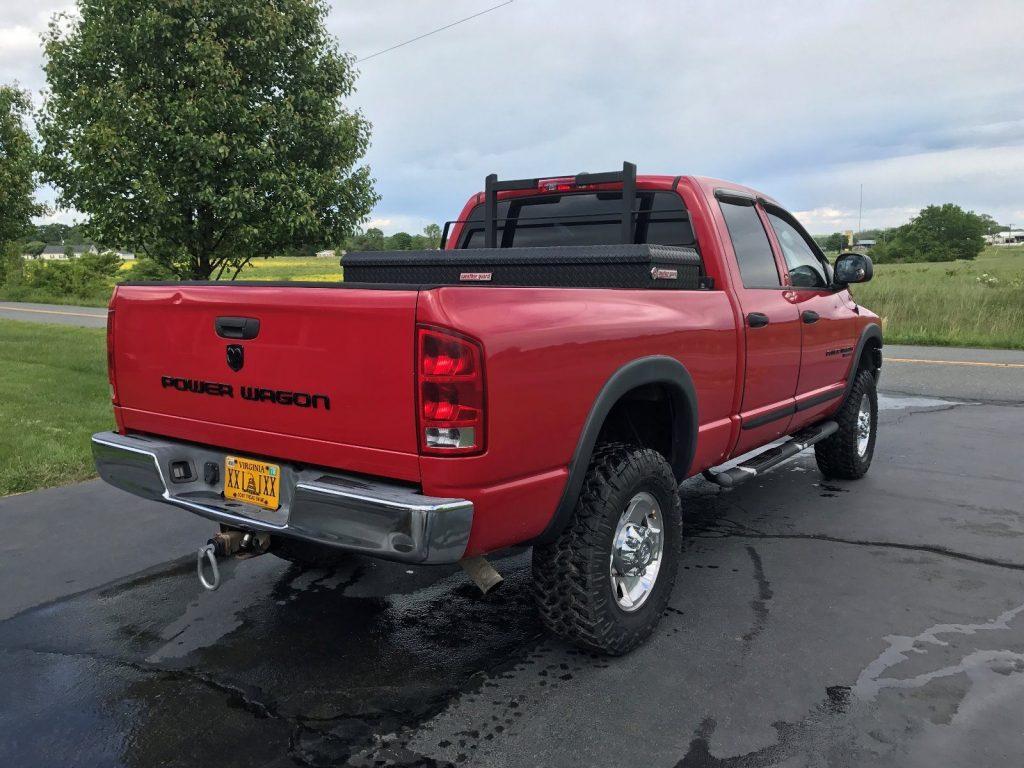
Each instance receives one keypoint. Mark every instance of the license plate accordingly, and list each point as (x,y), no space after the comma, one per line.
(251,481)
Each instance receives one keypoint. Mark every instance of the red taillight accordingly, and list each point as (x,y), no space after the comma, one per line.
(110,356)
(450,387)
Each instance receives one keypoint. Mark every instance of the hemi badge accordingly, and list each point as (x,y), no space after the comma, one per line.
(477,277)
(664,274)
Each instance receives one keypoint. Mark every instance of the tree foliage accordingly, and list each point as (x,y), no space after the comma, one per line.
(374,239)
(204,132)
(18,165)
(834,242)
(938,233)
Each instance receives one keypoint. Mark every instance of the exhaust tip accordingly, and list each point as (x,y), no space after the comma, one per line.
(483,574)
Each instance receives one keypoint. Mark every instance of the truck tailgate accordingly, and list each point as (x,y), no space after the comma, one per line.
(328,379)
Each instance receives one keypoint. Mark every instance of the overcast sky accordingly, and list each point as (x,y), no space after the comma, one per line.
(921,102)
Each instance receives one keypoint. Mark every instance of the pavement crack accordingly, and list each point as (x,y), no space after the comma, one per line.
(749,533)
(759,605)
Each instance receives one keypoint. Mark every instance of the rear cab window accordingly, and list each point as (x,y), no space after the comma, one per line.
(582,218)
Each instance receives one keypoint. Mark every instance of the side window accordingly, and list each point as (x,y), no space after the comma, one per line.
(750,242)
(805,268)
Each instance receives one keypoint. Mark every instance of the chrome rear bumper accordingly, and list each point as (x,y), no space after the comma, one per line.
(363,515)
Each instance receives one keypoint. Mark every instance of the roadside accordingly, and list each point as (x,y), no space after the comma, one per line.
(60,314)
(54,390)
(981,375)
(961,303)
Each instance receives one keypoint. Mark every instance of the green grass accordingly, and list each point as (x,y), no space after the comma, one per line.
(293,268)
(976,303)
(53,385)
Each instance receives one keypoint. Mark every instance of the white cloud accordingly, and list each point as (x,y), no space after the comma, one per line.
(63,216)
(397,222)
(919,100)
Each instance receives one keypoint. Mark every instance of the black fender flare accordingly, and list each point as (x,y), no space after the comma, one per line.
(657,369)
(872,331)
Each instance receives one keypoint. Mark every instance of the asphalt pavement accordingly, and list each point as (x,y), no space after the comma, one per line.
(85,317)
(878,622)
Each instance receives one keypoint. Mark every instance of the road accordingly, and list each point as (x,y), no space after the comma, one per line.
(878,622)
(86,317)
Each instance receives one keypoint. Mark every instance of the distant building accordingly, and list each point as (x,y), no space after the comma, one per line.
(864,246)
(1010,237)
(328,254)
(60,252)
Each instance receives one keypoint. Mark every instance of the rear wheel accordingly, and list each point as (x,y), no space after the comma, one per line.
(605,581)
(847,453)
(307,553)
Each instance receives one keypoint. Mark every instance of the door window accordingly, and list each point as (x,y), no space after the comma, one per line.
(805,268)
(752,247)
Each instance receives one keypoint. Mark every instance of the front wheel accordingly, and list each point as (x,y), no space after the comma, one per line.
(847,453)
(605,581)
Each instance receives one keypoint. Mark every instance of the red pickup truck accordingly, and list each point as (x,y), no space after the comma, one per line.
(578,347)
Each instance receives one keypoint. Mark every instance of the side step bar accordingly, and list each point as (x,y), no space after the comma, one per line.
(772,457)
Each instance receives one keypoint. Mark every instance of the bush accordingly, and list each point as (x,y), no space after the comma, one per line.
(12,265)
(87,278)
(147,270)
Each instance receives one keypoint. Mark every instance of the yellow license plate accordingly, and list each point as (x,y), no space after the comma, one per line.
(251,481)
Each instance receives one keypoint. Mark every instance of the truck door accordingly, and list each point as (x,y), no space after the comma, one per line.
(772,326)
(827,320)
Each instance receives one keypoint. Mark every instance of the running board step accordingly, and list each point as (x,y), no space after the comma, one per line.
(771,458)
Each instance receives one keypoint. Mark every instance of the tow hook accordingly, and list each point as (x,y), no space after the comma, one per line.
(228,543)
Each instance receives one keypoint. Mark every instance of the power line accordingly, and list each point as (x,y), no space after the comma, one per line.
(435,31)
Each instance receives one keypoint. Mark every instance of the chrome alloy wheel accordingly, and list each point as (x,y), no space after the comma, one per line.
(863,426)
(636,552)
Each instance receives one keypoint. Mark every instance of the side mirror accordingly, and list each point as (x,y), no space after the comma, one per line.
(853,268)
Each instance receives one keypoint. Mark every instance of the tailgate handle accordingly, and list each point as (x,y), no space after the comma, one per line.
(237,327)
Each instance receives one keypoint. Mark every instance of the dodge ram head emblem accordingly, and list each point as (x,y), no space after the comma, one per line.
(236,357)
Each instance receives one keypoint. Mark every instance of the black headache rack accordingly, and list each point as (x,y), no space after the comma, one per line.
(623,264)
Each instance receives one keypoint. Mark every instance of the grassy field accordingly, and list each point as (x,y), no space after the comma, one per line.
(976,303)
(53,384)
(283,268)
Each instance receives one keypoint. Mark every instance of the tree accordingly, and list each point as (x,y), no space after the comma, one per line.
(18,165)
(370,240)
(833,242)
(432,233)
(938,233)
(400,241)
(34,247)
(992,227)
(204,132)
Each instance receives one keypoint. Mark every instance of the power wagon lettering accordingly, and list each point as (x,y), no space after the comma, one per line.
(257,394)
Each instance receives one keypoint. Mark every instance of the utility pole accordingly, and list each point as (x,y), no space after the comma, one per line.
(860,209)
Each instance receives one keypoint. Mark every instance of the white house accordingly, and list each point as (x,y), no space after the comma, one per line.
(61,252)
